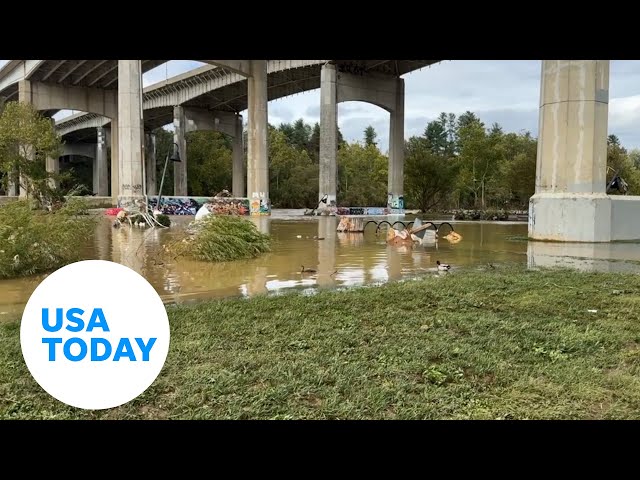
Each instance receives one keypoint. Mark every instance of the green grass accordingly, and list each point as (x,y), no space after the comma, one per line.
(219,238)
(498,344)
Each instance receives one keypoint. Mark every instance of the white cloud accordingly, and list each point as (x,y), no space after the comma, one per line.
(500,91)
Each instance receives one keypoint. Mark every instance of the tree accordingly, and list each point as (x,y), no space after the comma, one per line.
(429,175)
(293,177)
(362,176)
(209,163)
(27,139)
(436,136)
(164,146)
(370,136)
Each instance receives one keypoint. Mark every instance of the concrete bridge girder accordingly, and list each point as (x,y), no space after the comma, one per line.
(44,96)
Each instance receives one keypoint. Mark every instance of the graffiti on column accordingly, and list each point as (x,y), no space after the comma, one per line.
(260,204)
(395,203)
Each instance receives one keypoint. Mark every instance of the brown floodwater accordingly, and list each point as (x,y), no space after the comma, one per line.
(341,259)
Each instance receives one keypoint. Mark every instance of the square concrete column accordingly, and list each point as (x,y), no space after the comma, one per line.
(328,133)
(237,177)
(257,152)
(130,132)
(100,170)
(150,167)
(179,137)
(24,96)
(395,185)
(570,203)
(112,134)
(53,166)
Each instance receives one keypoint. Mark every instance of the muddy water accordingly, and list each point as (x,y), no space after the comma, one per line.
(341,260)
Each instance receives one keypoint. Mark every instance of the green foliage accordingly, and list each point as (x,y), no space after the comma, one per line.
(370,136)
(619,161)
(429,171)
(362,176)
(164,146)
(27,139)
(33,241)
(293,176)
(222,239)
(163,220)
(209,165)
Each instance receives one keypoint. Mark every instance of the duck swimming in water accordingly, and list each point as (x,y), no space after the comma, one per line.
(307,270)
(443,266)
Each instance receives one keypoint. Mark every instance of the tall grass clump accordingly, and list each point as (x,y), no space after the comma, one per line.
(36,241)
(222,239)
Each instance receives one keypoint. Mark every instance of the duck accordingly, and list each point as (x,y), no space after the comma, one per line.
(307,270)
(443,266)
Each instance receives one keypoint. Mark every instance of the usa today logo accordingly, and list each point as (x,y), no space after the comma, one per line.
(94,334)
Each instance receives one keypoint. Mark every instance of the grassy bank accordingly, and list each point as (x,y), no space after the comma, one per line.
(482,345)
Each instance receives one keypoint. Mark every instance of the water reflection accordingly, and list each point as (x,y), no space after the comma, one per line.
(341,259)
(591,257)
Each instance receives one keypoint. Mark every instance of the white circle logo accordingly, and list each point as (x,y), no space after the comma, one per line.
(94,334)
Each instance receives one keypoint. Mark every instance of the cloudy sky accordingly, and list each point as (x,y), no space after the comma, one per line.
(503,91)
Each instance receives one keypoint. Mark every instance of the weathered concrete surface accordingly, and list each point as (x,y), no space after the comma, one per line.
(396,149)
(130,132)
(257,153)
(81,149)
(570,203)
(328,133)
(570,217)
(100,166)
(238,169)
(112,139)
(625,218)
(380,91)
(47,96)
(179,137)
(150,166)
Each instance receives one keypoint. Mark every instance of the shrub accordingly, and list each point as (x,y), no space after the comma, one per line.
(34,241)
(222,239)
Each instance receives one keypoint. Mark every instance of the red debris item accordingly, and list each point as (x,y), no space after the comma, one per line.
(112,212)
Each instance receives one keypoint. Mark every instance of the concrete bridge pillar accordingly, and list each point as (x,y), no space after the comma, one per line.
(328,133)
(130,132)
(238,173)
(179,137)
(150,165)
(100,170)
(257,152)
(53,166)
(570,201)
(112,134)
(396,150)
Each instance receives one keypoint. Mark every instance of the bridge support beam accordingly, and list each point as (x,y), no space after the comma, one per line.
(570,203)
(100,170)
(384,91)
(257,153)
(395,199)
(130,132)
(328,134)
(179,137)
(112,134)
(150,165)
(238,173)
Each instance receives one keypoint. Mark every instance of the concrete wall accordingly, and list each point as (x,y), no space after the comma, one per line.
(625,217)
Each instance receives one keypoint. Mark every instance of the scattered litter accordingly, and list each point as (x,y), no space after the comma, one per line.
(298,236)
(616,292)
(592,311)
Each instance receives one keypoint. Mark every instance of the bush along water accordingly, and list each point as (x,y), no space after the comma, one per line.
(222,239)
(36,241)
